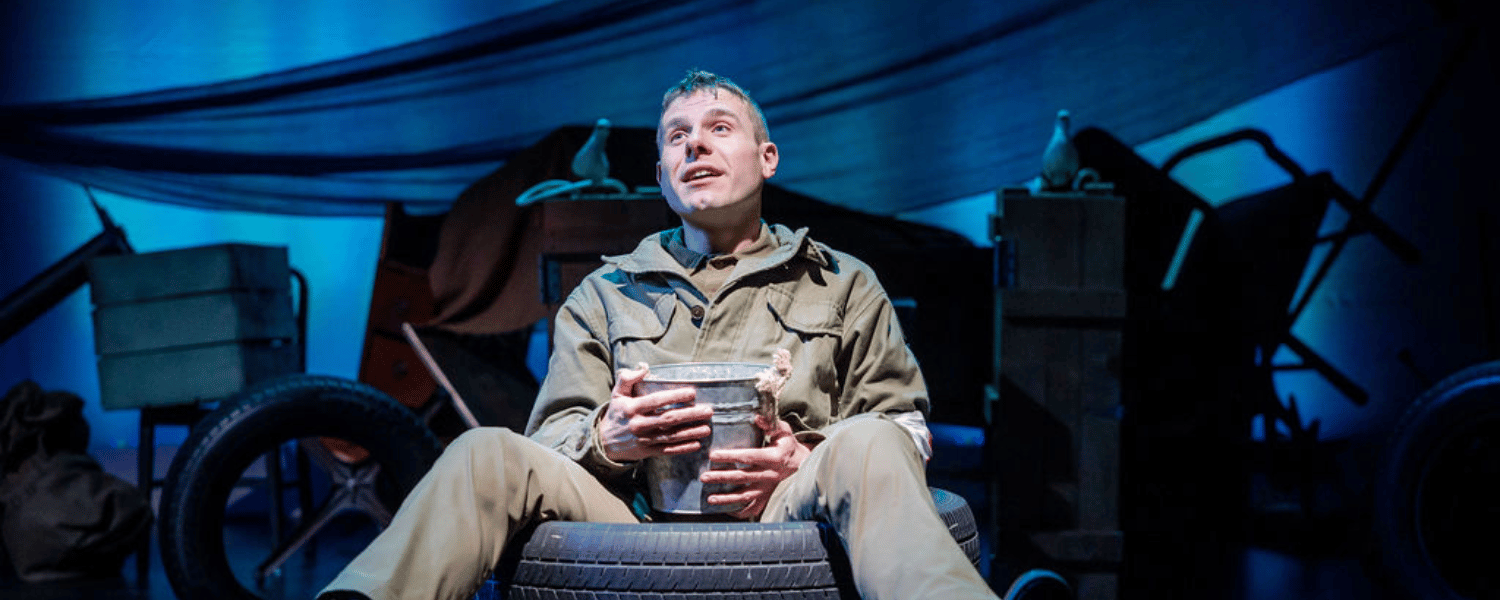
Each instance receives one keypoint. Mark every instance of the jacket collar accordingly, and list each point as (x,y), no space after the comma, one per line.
(652,255)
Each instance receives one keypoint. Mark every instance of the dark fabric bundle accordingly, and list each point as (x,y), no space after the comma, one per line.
(33,421)
(61,516)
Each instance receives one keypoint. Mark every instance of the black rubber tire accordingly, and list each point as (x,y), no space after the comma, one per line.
(242,429)
(683,561)
(1039,584)
(956,513)
(1435,499)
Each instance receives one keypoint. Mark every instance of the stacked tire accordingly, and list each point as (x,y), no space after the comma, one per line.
(1436,511)
(693,561)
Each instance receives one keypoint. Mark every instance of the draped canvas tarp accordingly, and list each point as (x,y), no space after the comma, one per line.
(880,107)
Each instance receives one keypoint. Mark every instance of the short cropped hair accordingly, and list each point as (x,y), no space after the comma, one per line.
(696,80)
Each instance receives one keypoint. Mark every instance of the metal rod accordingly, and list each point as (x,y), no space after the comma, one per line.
(62,278)
(1352,390)
(59,280)
(274,481)
(1429,101)
(339,499)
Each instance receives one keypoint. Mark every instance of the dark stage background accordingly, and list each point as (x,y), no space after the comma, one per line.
(294,123)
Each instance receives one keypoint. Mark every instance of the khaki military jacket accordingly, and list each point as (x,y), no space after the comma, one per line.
(826,307)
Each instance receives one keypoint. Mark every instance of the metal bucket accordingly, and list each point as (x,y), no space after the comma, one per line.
(730,388)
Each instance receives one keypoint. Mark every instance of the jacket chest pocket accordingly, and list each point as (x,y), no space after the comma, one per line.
(812,329)
(635,330)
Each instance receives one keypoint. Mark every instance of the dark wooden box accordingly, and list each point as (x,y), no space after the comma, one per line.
(1058,356)
(576,233)
(188,325)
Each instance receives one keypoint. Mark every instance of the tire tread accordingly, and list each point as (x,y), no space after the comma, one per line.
(682,561)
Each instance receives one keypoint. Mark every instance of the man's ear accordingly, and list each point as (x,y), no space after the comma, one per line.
(769,158)
(658,175)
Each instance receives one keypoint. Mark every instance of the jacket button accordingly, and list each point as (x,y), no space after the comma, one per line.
(697,313)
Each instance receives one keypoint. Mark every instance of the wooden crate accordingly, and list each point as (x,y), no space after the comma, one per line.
(189,325)
(1056,425)
(576,233)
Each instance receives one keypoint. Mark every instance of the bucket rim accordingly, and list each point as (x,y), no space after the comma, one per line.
(653,377)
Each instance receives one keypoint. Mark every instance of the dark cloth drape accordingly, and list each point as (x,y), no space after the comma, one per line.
(877,106)
(485,274)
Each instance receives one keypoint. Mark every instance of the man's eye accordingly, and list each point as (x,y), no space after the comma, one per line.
(721,128)
(676,136)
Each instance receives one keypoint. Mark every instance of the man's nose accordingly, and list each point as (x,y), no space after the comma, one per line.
(695,145)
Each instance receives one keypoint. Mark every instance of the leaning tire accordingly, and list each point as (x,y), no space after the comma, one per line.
(1435,499)
(221,446)
(955,512)
(690,561)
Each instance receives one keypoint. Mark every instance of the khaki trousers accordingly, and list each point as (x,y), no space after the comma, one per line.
(866,480)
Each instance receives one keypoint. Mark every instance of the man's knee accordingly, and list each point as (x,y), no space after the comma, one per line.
(479,438)
(484,444)
(872,435)
(868,451)
(861,456)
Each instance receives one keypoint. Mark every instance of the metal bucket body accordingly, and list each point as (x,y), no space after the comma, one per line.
(673,481)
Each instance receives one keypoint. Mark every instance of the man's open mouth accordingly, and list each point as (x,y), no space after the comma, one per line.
(699,173)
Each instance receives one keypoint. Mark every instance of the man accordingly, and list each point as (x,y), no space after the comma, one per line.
(848,447)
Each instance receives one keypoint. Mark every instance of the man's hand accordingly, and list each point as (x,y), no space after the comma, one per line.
(634,427)
(758,470)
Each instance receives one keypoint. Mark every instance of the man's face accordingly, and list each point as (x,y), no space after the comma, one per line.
(712,168)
